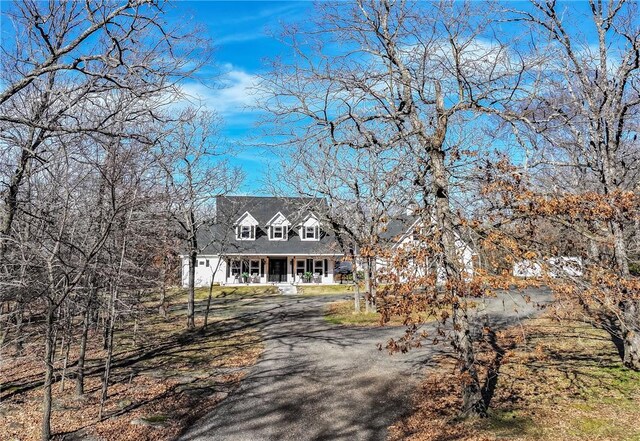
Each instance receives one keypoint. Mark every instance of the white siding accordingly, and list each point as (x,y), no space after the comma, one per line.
(465,253)
(204,273)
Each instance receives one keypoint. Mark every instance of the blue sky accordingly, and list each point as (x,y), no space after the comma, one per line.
(243,35)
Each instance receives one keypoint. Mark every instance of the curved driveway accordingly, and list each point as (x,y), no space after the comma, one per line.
(317,381)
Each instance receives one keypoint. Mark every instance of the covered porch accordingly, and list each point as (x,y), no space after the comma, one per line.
(273,269)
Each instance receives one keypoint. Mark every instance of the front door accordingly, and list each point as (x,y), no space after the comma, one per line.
(277,270)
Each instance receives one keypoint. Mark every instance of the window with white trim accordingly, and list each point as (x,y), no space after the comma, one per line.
(278,232)
(246,232)
(254,267)
(301,267)
(310,233)
(235,267)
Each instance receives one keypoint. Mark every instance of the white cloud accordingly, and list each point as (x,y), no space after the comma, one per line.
(232,93)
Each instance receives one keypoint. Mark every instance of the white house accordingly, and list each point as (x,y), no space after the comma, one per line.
(265,240)
(554,267)
(407,231)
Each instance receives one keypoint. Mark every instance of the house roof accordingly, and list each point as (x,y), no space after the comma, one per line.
(397,227)
(219,236)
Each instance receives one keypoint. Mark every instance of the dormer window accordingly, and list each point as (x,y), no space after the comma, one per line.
(310,228)
(246,232)
(278,232)
(278,227)
(310,233)
(246,227)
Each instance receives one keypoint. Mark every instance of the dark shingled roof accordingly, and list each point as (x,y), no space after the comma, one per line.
(219,237)
(397,226)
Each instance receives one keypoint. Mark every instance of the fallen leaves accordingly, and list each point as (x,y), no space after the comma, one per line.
(162,383)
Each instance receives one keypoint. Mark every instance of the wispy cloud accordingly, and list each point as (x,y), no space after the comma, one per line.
(258,24)
(233,93)
(260,15)
(240,37)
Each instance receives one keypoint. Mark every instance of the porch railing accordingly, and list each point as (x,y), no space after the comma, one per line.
(277,278)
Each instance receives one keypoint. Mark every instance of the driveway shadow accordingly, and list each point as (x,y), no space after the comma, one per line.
(317,381)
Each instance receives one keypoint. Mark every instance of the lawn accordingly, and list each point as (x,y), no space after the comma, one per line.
(179,295)
(321,290)
(563,383)
(240,291)
(343,313)
(163,379)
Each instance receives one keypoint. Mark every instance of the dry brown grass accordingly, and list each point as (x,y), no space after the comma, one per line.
(167,376)
(563,381)
(343,313)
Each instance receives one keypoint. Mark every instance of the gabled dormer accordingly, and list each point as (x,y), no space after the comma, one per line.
(310,228)
(278,227)
(246,227)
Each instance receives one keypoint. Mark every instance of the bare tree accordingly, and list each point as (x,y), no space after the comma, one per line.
(578,124)
(363,188)
(400,76)
(197,171)
(67,55)
(83,88)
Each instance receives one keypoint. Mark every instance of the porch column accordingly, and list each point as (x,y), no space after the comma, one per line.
(290,270)
(266,270)
(295,262)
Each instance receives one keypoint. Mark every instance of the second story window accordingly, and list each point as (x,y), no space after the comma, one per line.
(246,232)
(310,233)
(279,232)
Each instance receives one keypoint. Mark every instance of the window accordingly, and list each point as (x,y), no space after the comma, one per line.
(235,267)
(310,233)
(318,267)
(300,266)
(254,267)
(246,232)
(278,232)
(207,262)
(201,263)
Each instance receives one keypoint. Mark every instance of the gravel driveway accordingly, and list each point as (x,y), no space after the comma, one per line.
(317,381)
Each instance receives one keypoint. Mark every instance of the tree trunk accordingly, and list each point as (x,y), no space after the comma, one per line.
(163,292)
(106,320)
(631,334)
(206,312)
(107,364)
(367,286)
(82,352)
(193,259)
(19,325)
(45,434)
(356,287)
(473,404)
(11,201)
(620,249)
(373,284)
(65,347)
